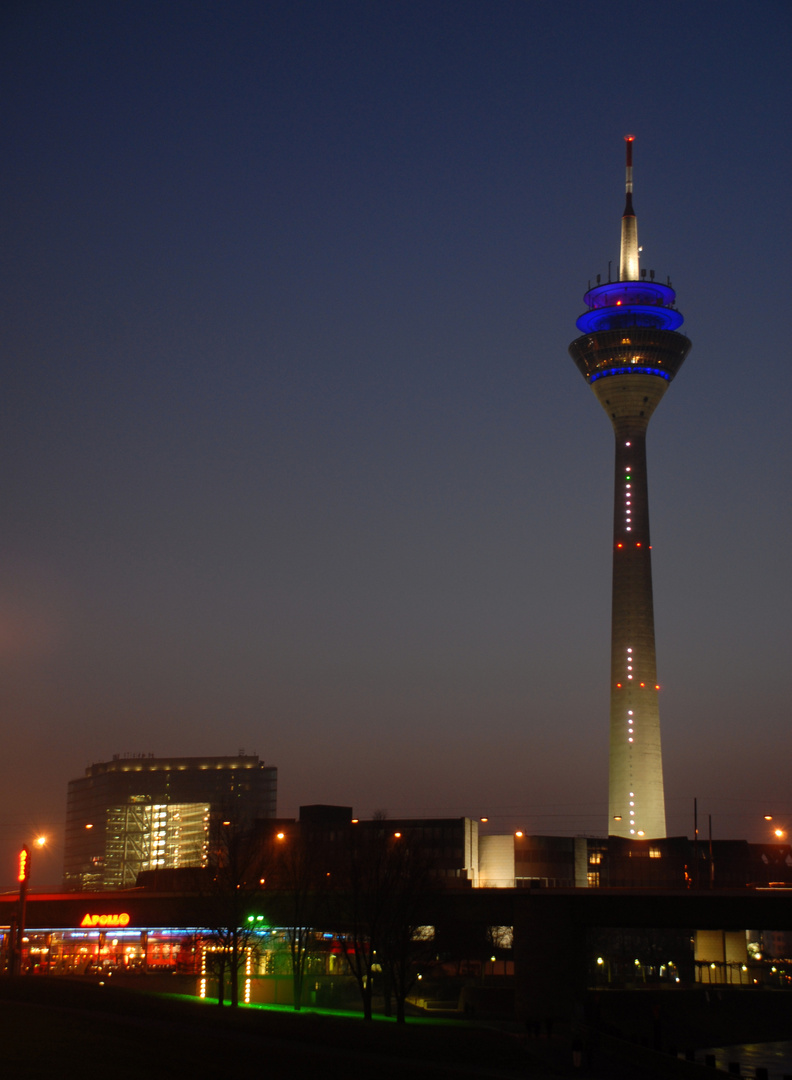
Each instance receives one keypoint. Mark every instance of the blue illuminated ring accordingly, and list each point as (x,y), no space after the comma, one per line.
(634,370)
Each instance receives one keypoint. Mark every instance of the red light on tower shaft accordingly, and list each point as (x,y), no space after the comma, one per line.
(24,865)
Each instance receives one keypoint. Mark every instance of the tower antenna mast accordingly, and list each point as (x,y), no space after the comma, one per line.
(628,260)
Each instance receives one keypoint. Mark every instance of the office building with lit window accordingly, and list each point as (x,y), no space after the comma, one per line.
(141,813)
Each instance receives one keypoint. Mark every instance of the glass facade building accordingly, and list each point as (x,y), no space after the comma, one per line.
(145,813)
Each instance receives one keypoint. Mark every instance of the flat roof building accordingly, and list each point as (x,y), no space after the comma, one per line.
(138,813)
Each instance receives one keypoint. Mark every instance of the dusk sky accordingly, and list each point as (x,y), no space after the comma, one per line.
(293,458)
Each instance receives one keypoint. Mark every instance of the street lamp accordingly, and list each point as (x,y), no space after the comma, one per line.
(777,831)
(23,876)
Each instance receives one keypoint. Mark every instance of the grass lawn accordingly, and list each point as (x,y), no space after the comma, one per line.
(59,1028)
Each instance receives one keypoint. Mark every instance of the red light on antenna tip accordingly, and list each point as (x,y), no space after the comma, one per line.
(629,138)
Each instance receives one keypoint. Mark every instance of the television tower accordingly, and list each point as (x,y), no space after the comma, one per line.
(628,353)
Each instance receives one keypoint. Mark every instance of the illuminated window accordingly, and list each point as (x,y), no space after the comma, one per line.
(593,879)
(423,933)
(501,937)
(655,853)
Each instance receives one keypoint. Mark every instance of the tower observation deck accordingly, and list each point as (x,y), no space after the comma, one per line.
(628,352)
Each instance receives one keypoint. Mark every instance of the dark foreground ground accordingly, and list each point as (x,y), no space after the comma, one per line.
(57,1028)
(63,1029)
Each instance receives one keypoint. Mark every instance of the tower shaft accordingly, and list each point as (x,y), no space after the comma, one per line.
(636,795)
(636,801)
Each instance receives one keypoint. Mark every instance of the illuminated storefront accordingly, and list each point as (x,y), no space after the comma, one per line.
(126,935)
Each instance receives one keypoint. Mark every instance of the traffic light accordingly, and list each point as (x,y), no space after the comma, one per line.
(24,865)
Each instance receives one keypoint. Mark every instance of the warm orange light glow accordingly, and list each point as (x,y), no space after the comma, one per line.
(397,835)
(779,833)
(484,819)
(89,826)
(768,817)
(281,835)
(618,686)
(643,684)
(41,841)
(518,834)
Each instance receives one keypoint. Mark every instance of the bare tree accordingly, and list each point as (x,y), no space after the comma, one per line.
(296,868)
(235,889)
(386,886)
(407,940)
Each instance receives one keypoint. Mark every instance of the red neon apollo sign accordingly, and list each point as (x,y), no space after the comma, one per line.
(121,919)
